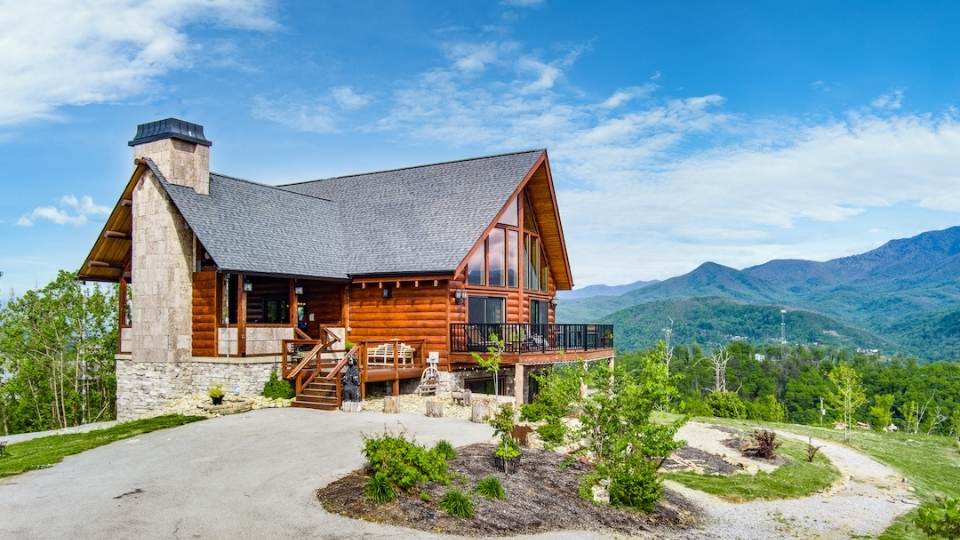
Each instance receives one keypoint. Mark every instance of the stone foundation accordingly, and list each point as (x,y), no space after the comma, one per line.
(144,387)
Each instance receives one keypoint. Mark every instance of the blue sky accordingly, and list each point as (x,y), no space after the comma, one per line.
(679,132)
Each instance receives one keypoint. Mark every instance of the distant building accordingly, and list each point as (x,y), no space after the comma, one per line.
(759,357)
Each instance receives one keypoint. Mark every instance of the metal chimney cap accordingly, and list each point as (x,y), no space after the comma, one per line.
(170,128)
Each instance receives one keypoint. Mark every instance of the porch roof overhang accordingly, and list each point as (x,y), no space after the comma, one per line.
(109,258)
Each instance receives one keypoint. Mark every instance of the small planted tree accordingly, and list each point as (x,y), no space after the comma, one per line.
(508,449)
(881,412)
(559,394)
(491,361)
(627,447)
(847,396)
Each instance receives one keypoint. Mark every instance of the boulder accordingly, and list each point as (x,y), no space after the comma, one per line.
(391,404)
(434,408)
(481,410)
(351,406)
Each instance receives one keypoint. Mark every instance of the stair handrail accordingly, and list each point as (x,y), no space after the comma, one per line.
(352,353)
(297,332)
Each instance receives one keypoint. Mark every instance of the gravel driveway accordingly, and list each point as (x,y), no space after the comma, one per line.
(249,475)
(868,498)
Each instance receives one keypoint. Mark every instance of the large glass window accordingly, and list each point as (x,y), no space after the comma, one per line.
(544,275)
(495,250)
(538,312)
(476,268)
(485,310)
(513,257)
(532,270)
(509,216)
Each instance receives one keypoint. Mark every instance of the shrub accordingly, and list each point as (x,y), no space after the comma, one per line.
(491,488)
(725,405)
(457,503)
(445,449)
(277,388)
(425,496)
(695,407)
(940,519)
(378,489)
(552,433)
(763,444)
(404,463)
(766,409)
(559,390)
(635,484)
(215,392)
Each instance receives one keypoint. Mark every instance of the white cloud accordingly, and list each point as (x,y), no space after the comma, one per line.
(72,211)
(472,56)
(55,53)
(311,116)
(348,98)
(652,187)
(891,100)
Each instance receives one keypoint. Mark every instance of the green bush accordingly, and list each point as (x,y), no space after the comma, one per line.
(378,489)
(559,390)
(726,405)
(445,449)
(491,488)
(425,496)
(403,463)
(277,388)
(766,409)
(940,519)
(457,503)
(635,484)
(552,433)
(695,407)
(215,392)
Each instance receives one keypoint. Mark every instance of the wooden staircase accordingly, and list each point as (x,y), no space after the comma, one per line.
(320,393)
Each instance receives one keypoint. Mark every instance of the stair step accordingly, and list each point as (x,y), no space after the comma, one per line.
(318,406)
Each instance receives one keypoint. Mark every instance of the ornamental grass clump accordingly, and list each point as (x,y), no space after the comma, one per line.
(378,489)
(490,488)
(401,464)
(763,444)
(457,503)
(445,449)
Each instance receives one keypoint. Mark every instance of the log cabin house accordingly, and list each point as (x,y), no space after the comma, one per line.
(223,280)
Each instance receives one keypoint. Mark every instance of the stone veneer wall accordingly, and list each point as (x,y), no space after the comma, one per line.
(145,387)
(162,269)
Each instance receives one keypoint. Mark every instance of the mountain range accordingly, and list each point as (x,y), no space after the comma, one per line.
(903,296)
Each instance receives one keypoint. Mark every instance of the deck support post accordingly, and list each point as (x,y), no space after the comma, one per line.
(519,383)
(241,317)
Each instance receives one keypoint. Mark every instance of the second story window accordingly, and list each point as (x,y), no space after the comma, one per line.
(476,274)
(495,256)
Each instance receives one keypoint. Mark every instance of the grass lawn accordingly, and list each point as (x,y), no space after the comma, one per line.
(46,451)
(798,478)
(930,462)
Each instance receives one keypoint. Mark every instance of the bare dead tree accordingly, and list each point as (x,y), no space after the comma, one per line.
(720,359)
(668,336)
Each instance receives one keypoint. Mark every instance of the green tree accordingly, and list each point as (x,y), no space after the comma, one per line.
(847,395)
(491,362)
(882,411)
(618,433)
(57,347)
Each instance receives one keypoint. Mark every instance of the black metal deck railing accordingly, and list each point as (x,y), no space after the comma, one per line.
(531,338)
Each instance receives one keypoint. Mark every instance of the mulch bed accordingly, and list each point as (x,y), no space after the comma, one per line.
(542,496)
(705,461)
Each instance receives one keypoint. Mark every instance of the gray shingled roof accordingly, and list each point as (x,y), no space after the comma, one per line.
(417,219)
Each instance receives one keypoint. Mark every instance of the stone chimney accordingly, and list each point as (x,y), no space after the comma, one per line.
(179,149)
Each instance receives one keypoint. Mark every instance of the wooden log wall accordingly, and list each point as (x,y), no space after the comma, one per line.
(325,301)
(411,313)
(205,313)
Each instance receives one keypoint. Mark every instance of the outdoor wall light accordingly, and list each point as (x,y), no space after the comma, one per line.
(458,296)
(553,303)
(298,290)
(247,286)
(386,292)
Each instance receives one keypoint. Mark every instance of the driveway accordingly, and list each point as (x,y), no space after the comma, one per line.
(251,475)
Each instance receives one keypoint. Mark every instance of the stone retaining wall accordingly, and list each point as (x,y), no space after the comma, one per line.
(143,387)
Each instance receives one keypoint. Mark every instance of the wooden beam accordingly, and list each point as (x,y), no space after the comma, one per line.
(241,317)
(293,304)
(118,235)
(126,203)
(104,264)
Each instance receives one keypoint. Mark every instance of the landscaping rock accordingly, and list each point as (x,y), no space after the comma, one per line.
(434,408)
(481,410)
(391,404)
(351,406)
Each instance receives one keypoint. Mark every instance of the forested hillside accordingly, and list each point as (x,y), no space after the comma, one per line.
(715,321)
(903,292)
